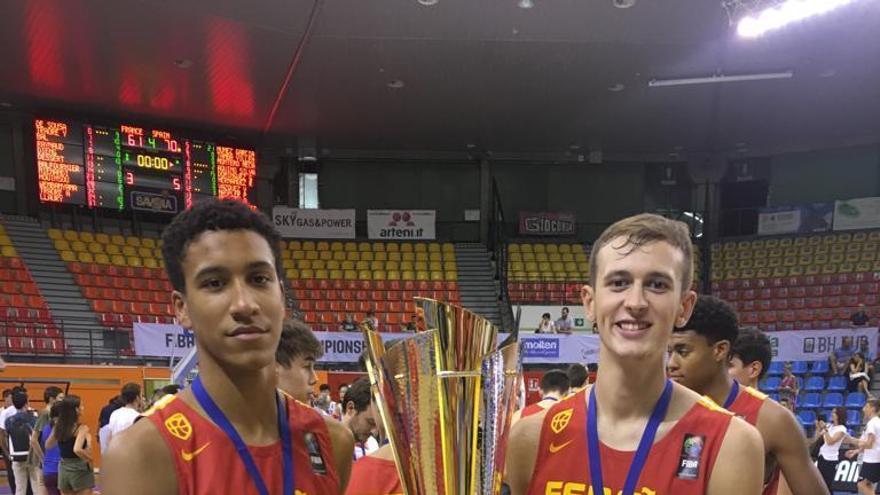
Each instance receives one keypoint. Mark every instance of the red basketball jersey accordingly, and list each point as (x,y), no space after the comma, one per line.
(206,462)
(530,410)
(747,406)
(374,476)
(679,463)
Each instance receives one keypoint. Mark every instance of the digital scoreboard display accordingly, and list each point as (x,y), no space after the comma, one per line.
(138,168)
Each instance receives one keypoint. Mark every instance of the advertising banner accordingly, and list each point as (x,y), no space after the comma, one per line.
(804,219)
(530,317)
(299,223)
(817,345)
(402,224)
(162,339)
(551,223)
(859,213)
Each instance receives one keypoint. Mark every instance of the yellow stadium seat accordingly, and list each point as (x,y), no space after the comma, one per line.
(544,266)
(62,245)
(876,266)
(408,256)
(435,265)
(71,235)
(112,249)
(828,239)
(364,246)
(348,265)
(514,256)
(336,274)
(294,246)
(134,261)
(786,242)
(322,274)
(813,270)
(362,265)
(55,234)
(874,236)
(863,266)
(868,256)
(789,261)
(378,247)
(814,240)
(298,255)
(377,265)
(420,248)
(319,265)
(407,266)
(435,256)
(157,253)
(449,265)
(421,266)
(843,238)
(129,250)
(516,266)
(795,271)
(581,257)
(349,246)
(366,255)
(760,262)
(322,246)
(526,248)
(829,269)
(148,242)
(583,267)
(800,241)
(288,264)
(407,275)
(337,246)
(84,257)
(380,256)
(352,256)
(764,272)
(393,275)
(306,274)
(448,247)
(422,276)
(379,275)
(551,248)
(311,255)
(79,246)
(95,248)
(133,241)
(433,247)
(539,248)
(528,256)
(852,257)
(68,256)
(303,264)
(846,267)
(144,252)
(325,255)
(308,245)
(513,248)
(151,263)
(806,250)
(86,237)
(436,275)
(557,266)
(567,257)
(118,260)
(339,255)
(292,274)
(392,247)
(421,256)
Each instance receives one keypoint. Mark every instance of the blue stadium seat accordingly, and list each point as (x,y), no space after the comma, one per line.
(853,419)
(836,384)
(800,382)
(819,368)
(812,400)
(824,414)
(800,367)
(807,418)
(832,399)
(774,396)
(815,384)
(855,400)
(771,384)
(775,368)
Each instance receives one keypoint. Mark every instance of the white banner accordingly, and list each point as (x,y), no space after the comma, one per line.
(531,316)
(779,221)
(859,213)
(161,339)
(314,224)
(817,345)
(402,224)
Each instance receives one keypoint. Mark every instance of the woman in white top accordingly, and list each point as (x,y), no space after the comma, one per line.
(869,447)
(546,325)
(833,434)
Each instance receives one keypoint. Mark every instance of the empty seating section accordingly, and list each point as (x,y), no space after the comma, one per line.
(332,279)
(122,277)
(546,272)
(803,282)
(819,392)
(26,326)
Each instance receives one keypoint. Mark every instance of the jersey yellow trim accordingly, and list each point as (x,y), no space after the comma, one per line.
(755,393)
(711,405)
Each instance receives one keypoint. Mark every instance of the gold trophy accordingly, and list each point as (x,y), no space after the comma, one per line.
(446,396)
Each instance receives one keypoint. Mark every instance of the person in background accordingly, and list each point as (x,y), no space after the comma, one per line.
(750,357)
(298,351)
(8,411)
(170,389)
(51,457)
(359,416)
(860,318)
(19,428)
(869,446)
(51,395)
(839,359)
(348,324)
(74,441)
(565,323)
(124,417)
(833,434)
(859,375)
(546,324)
(555,385)
(104,420)
(788,388)
(325,404)
(411,324)
(577,376)
(371,320)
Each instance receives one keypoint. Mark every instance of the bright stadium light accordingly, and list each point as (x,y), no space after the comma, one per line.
(785,13)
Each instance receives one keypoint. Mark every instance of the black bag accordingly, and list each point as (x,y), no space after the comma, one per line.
(815,446)
(21,425)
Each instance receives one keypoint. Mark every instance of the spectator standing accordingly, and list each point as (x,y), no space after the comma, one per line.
(372,321)
(565,323)
(348,324)
(7,412)
(104,420)
(546,325)
(833,435)
(19,428)
(788,388)
(325,404)
(577,376)
(51,457)
(124,417)
(51,395)
(411,324)
(74,441)
(860,318)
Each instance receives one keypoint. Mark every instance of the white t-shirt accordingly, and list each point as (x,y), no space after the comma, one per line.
(368,447)
(872,455)
(832,452)
(6,414)
(121,419)
(547,327)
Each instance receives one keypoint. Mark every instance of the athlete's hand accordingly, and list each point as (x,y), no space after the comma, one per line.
(852,453)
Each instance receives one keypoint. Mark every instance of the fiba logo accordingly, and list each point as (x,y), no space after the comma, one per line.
(403,217)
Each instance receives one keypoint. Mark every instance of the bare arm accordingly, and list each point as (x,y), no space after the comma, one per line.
(51,441)
(143,467)
(739,467)
(343,447)
(522,453)
(784,439)
(829,439)
(4,442)
(82,446)
(36,449)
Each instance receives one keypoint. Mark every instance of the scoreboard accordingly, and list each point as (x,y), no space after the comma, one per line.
(128,167)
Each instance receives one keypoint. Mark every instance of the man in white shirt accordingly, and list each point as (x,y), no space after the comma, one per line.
(8,411)
(869,445)
(124,417)
(565,323)
(358,415)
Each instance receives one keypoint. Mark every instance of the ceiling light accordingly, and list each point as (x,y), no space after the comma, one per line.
(428,3)
(719,78)
(5,104)
(525,4)
(183,63)
(785,13)
(395,84)
(616,88)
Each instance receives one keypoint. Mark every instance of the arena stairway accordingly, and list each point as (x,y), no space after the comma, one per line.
(476,281)
(69,308)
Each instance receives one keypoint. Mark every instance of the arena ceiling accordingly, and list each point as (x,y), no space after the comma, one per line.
(483,73)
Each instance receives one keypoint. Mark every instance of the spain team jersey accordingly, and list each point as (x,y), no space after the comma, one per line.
(679,463)
(747,405)
(206,462)
(373,476)
(530,410)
